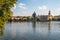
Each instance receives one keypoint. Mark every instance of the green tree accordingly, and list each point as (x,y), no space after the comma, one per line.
(5,10)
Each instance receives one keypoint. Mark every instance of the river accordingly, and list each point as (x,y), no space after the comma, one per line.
(31,31)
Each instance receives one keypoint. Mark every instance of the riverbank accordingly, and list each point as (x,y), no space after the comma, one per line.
(33,21)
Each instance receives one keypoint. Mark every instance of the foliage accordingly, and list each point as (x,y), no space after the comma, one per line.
(5,10)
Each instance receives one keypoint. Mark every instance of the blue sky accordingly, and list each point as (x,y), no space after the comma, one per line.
(41,7)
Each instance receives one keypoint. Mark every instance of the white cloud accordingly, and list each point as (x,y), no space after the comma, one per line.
(58,9)
(22,6)
(42,7)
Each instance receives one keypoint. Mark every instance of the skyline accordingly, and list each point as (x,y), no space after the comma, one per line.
(41,7)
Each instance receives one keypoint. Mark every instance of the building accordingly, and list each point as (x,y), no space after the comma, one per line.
(34,16)
(57,17)
(50,17)
(45,17)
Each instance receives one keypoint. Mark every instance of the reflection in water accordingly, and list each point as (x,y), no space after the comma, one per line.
(49,28)
(2,31)
(12,31)
(34,26)
(32,31)
(49,25)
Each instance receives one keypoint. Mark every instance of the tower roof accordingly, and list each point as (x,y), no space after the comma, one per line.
(34,14)
(49,12)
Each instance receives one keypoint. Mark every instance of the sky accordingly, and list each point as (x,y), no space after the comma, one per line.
(41,7)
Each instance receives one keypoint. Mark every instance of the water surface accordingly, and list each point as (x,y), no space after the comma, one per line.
(31,31)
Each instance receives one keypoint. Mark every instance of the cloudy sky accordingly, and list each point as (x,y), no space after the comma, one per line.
(41,7)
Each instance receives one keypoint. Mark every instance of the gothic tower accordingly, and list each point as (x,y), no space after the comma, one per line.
(49,15)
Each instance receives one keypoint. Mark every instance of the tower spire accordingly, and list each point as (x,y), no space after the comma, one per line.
(49,12)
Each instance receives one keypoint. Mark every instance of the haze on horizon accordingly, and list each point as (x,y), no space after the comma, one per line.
(41,7)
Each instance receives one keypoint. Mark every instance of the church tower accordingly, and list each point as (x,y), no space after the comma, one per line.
(34,16)
(49,15)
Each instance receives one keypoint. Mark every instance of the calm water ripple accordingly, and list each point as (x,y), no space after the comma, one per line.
(31,31)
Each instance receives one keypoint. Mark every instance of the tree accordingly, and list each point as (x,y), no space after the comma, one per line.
(5,10)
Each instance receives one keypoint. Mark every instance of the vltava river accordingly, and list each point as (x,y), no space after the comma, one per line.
(31,31)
